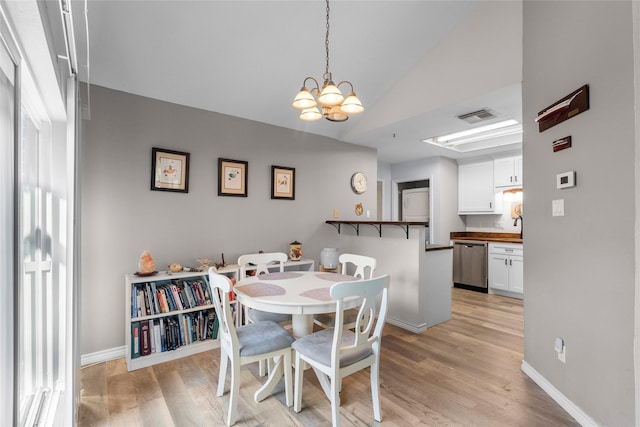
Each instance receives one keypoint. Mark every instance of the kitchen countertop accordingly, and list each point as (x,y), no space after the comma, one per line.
(487,237)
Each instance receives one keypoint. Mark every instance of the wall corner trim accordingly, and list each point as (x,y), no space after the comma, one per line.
(573,410)
(102,356)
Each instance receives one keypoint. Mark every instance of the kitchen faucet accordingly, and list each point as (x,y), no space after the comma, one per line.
(515,222)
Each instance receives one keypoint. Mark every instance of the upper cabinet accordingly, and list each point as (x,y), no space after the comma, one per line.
(475,188)
(507,172)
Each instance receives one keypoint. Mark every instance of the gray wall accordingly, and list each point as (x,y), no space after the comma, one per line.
(121,217)
(579,269)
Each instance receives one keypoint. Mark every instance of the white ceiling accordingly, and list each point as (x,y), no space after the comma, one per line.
(415,65)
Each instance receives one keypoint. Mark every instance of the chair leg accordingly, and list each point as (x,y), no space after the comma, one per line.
(335,401)
(297,404)
(288,386)
(261,368)
(233,395)
(224,358)
(375,391)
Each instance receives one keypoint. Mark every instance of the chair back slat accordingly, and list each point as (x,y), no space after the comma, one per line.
(368,330)
(361,263)
(261,262)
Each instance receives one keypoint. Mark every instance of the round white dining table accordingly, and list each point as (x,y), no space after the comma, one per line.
(299,293)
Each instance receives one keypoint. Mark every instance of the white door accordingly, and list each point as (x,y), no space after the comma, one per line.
(415,205)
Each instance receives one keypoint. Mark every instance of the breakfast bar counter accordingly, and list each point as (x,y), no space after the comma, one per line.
(421,274)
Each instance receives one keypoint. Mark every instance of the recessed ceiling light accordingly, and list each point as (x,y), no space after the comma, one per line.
(455,140)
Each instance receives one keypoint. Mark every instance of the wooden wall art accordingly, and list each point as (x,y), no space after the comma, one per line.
(569,106)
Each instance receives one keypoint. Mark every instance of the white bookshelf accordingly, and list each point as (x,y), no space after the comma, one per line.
(131,282)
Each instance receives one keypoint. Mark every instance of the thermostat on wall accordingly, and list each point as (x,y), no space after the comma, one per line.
(566,179)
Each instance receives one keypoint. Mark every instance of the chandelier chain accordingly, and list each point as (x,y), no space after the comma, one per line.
(326,42)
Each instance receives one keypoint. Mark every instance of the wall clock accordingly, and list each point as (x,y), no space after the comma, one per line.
(359,182)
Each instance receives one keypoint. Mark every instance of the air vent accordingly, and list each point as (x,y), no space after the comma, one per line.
(478,116)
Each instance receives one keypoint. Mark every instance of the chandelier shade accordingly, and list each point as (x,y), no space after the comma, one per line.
(310,114)
(304,100)
(351,105)
(330,94)
(335,107)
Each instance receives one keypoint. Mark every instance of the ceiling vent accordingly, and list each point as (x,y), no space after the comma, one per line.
(478,116)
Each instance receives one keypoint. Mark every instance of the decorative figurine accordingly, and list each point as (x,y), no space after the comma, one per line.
(146,265)
(204,264)
(175,267)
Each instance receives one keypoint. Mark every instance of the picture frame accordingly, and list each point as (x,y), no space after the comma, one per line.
(169,170)
(283,183)
(232,177)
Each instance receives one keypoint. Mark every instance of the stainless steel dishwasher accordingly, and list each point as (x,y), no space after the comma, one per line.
(470,265)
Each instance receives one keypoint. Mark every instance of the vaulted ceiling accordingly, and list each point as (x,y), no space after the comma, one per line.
(415,65)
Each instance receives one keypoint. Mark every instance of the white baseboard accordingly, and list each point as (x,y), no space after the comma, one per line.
(573,410)
(102,356)
(416,329)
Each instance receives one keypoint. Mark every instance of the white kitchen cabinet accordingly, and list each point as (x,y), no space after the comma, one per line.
(476,193)
(507,172)
(506,273)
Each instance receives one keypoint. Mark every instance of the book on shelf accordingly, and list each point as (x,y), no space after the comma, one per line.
(145,338)
(138,302)
(212,325)
(156,336)
(147,299)
(207,290)
(186,290)
(154,298)
(135,340)
(134,302)
(163,337)
(152,337)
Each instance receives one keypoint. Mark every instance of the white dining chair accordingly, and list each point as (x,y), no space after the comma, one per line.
(363,268)
(338,352)
(247,344)
(260,264)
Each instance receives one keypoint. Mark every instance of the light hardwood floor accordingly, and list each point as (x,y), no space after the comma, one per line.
(464,372)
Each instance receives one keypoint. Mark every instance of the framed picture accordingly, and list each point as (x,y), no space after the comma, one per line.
(283,183)
(232,177)
(169,170)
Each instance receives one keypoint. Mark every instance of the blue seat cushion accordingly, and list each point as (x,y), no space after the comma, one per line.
(317,347)
(262,337)
(259,316)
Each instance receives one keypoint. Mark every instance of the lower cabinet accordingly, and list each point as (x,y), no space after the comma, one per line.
(506,273)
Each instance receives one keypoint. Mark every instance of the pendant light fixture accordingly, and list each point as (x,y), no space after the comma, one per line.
(333,105)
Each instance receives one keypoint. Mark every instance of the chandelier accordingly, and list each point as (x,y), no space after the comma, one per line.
(335,107)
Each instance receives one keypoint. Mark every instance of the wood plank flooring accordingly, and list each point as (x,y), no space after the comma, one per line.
(464,372)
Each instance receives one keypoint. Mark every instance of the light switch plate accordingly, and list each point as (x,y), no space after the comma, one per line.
(557,207)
